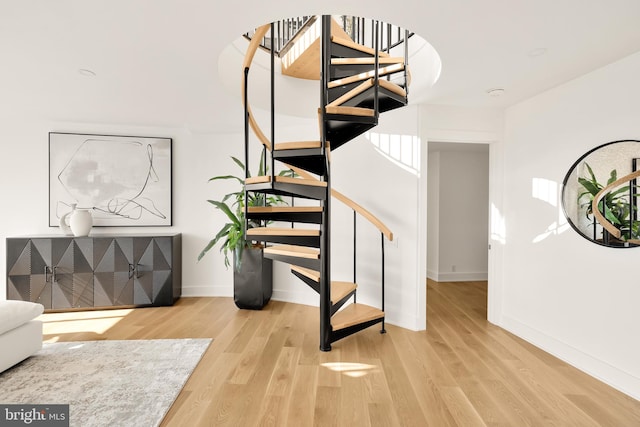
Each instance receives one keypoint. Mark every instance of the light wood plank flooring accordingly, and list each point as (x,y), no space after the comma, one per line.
(264,368)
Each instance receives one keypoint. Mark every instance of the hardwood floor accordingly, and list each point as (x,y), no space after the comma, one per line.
(265,368)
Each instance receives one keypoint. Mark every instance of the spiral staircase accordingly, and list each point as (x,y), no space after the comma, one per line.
(358,82)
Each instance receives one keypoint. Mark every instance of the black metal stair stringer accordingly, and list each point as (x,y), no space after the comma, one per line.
(345,332)
(314,217)
(387,99)
(342,128)
(311,263)
(315,285)
(309,241)
(290,189)
(309,159)
(338,304)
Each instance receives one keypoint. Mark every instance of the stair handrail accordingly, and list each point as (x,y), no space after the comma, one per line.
(375,221)
(246,65)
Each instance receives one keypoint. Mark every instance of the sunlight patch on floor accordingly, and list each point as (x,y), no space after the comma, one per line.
(354,370)
(55,325)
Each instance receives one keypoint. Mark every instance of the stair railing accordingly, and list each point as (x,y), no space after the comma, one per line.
(361,30)
(284,33)
(376,72)
(385,233)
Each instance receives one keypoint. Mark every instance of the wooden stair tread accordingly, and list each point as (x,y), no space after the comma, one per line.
(301,145)
(355,314)
(301,58)
(395,68)
(350,111)
(294,251)
(297,145)
(352,93)
(288,209)
(367,60)
(347,42)
(281,231)
(392,87)
(307,272)
(262,179)
(340,290)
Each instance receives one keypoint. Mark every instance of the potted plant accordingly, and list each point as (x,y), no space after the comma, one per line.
(252,278)
(614,205)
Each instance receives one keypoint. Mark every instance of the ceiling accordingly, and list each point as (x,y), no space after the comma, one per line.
(156,61)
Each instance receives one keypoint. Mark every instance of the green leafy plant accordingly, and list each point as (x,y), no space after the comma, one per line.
(614,205)
(233,233)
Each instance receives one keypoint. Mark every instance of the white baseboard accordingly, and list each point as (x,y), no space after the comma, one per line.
(599,369)
(403,320)
(305,297)
(295,297)
(457,276)
(207,291)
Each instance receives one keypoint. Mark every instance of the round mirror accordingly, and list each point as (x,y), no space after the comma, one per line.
(608,174)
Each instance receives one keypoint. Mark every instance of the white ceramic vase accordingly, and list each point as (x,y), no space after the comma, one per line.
(77,222)
(81,222)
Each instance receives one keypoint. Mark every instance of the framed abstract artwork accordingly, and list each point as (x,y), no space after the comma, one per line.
(124,180)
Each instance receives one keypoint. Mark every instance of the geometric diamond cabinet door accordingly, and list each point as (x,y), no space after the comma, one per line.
(143,271)
(19,269)
(112,275)
(62,276)
(162,269)
(83,273)
(29,270)
(152,284)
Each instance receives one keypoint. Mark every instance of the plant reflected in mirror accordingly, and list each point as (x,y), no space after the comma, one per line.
(616,222)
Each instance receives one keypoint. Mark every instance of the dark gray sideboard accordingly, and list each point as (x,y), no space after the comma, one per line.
(101,271)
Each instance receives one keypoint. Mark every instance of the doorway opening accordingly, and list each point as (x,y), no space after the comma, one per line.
(458,224)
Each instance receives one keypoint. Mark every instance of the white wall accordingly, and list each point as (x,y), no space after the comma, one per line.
(459,208)
(24,173)
(573,298)
(390,192)
(373,181)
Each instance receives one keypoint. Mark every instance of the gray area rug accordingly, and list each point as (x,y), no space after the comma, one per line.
(106,383)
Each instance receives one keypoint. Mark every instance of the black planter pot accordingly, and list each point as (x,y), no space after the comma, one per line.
(253,284)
